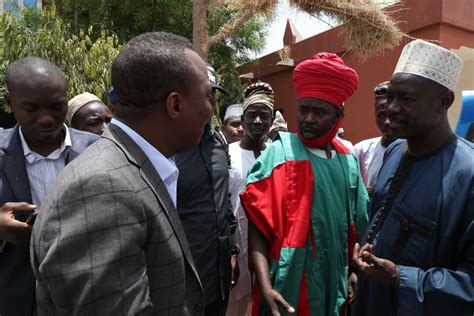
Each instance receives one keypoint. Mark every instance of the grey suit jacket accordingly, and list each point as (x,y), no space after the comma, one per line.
(17,284)
(108,239)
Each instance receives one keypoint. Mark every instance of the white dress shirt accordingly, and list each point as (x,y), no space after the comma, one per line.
(165,167)
(42,171)
(370,153)
(241,161)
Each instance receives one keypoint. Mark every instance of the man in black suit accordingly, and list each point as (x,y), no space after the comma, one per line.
(205,211)
(31,156)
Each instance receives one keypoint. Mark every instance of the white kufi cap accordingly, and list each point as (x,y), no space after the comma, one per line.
(76,103)
(430,61)
(233,111)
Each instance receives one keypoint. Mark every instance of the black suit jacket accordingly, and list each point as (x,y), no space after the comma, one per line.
(206,212)
(17,284)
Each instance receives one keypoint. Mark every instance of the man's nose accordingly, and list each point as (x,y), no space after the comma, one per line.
(257,119)
(46,118)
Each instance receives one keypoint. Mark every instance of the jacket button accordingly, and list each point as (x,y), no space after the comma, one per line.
(198,307)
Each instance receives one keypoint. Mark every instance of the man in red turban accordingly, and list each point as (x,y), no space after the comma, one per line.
(305,201)
(322,81)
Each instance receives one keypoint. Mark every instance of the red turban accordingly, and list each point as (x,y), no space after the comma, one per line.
(325,77)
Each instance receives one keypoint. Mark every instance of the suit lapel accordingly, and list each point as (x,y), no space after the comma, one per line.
(75,149)
(70,154)
(79,142)
(15,167)
(154,181)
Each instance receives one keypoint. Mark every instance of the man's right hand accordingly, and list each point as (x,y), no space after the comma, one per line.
(273,300)
(12,230)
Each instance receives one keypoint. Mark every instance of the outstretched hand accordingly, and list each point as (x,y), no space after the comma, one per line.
(12,230)
(273,299)
(373,268)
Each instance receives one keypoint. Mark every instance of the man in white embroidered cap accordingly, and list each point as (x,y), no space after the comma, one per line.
(232,124)
(417,255)
(86,112)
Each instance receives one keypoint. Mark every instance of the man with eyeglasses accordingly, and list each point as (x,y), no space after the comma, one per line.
(205,211)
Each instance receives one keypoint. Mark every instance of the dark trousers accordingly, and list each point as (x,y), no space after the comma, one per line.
(217,308)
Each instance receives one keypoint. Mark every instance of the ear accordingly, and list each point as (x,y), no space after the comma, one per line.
(447,99)
(174,105)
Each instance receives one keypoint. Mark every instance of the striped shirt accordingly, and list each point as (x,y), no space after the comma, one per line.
(42,171)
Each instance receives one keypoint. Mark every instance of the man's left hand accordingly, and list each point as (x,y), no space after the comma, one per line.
(373,268)
(235,273)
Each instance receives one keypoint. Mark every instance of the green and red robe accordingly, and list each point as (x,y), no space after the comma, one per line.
(309,209)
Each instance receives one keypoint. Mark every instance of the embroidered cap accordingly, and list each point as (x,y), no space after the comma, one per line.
(430,61)
(233,111)
(259,92)
(76,103)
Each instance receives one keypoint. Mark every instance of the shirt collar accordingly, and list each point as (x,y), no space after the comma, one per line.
(165,167)
(29,154)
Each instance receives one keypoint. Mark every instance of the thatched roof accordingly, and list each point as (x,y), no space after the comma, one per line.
(368,30)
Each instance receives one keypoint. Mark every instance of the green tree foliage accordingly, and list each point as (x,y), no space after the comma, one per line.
(1,39)
(128,18)
(235,50)
(85,57)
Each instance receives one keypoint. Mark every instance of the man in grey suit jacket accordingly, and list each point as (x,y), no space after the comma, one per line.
(108,239)
(31,155)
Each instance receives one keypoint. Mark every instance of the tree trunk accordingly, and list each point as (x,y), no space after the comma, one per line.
(200,27)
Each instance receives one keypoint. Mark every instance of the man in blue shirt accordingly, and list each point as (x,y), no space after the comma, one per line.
(418,252)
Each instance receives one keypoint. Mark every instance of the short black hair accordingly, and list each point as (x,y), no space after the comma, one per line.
(151,66)
(30,66)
